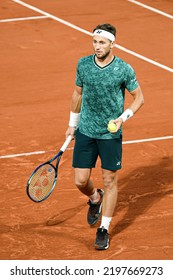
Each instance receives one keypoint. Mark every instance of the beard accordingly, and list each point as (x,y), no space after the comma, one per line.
(101,55)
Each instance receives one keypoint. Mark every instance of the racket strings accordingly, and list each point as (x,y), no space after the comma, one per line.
(42,182)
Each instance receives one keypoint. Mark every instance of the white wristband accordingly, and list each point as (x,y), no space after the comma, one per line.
(127,114)
(74,119)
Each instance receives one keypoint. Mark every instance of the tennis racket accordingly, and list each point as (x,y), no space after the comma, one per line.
(43,179)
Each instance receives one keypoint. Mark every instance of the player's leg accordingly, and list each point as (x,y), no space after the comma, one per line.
(83,181)
(85,185)
(111,162)
(110,179)
(108,207)
(84,159)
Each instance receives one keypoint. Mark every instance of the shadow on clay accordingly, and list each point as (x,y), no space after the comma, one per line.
(140,189)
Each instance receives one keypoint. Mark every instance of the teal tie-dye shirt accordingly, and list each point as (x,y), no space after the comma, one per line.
(103,94)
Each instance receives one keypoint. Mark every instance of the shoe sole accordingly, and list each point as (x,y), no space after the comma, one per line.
(97,247)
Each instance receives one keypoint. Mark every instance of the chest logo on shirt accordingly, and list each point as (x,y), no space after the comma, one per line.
(116,68)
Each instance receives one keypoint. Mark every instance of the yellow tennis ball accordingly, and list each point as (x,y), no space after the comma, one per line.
(112,127)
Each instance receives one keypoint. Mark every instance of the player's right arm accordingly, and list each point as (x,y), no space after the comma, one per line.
(76,100)
(75,110)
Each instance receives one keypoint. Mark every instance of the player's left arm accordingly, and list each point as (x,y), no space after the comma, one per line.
(138,101)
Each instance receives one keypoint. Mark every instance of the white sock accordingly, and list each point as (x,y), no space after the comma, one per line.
(105,222)
(94,197)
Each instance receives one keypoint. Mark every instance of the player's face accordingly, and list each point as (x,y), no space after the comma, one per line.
(102,46)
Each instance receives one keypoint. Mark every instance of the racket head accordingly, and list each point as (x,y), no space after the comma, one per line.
(42,182)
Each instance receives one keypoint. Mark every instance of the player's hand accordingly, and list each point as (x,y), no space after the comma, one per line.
(118,123)
(70,131)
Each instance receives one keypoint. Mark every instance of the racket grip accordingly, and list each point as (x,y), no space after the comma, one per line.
(66,143)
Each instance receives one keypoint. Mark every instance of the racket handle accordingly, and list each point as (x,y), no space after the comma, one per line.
(66,143)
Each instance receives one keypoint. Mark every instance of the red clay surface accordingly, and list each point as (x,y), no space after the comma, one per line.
(37,72)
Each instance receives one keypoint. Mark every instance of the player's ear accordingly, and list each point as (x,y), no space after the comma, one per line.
(112,45)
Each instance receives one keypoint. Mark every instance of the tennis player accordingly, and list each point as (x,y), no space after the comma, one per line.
(99,94)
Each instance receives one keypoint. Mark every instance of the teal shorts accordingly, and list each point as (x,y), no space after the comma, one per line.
(87,150)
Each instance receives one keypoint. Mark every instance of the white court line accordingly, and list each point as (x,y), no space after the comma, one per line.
(24,154)
(144,58)
(148,140)
(150,8)
(91,34)
(124,142)
(25,18)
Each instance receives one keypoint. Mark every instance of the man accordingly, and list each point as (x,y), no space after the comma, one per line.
(98,97)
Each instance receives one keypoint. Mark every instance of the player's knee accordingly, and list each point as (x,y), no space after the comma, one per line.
(108,183)
(110,180)
(81,181)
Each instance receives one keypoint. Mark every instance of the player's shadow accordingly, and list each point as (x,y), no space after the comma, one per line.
(65,215)
(140,189)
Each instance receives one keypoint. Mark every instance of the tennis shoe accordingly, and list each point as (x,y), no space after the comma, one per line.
(94,210)
(102,239)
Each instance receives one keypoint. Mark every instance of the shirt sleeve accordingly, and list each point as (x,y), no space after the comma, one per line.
(79,81)
(131,82)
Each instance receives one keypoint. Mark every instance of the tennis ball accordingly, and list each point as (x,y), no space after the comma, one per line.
(112,127)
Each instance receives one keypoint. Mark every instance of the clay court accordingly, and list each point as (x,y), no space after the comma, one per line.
(40,46)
